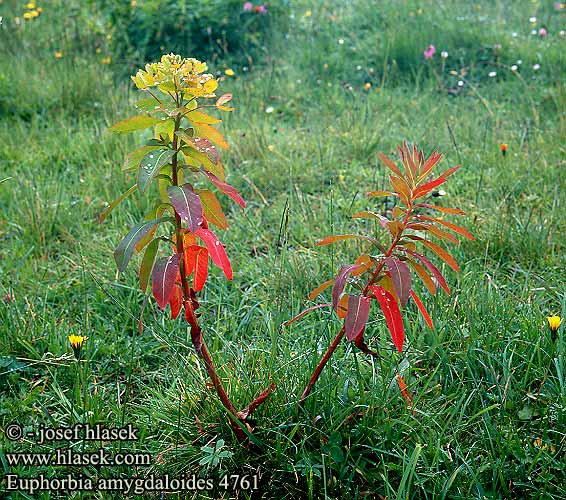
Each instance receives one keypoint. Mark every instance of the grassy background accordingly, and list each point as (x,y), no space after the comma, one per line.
(489,384)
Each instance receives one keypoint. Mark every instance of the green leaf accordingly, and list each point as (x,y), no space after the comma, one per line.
(132,160)
(148,104)
(138,122)
(126,247)
(194,157)
(147,263)
(198,117)
(155,213)
(115,203)
(165,128)
(151,164)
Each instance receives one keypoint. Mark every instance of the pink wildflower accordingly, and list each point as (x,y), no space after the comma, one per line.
(542,32)
(248,6)
(260,9)
(429,52)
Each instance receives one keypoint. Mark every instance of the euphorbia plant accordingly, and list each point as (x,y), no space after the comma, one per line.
(181,155)
(384,273)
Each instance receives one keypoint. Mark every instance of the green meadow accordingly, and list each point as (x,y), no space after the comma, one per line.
(319,89)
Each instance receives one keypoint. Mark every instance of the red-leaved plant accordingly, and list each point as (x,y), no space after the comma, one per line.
(182,153)
(385,276)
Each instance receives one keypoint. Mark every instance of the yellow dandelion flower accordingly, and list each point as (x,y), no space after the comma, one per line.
(27,15)
(308,13)
(39,9)
(229,72)
(106,60)
(77,342)
(58,54)
(98,50)
(271,148)
(554,322)
(367,86)
(30,5)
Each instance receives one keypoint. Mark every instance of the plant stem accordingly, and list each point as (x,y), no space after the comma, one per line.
(321,365)
(196,331)
(338,338)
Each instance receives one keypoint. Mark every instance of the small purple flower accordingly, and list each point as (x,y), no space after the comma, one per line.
(429,52)
(248,6)
(559,6)
(542,32)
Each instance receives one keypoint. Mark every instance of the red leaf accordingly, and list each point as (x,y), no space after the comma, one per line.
(449,172)
(357,316)
(306,311)
(216,250)
(408,159)
(443,254)
(163,278)
(439,233)
(395,228)
(341,237)
(431,267)
(423,275)
(390,164)
(362,346)
(320,288)
(380,194)
(204,146)
(176,301)
(432,160)
(401,277)
(196,259)
(425,188)
(392,315)
(226,189)
(404,390)
(447,210)
(449,225)
(223,99)
(401,188)
(422,309)
(340,282)
(372,215)
(187,205)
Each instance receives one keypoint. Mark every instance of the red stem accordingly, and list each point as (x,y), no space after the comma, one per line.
(196,331)
(321,365)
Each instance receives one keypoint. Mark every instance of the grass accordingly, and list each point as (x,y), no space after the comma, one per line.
(489,384)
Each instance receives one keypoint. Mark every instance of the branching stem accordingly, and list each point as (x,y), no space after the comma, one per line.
(338,338)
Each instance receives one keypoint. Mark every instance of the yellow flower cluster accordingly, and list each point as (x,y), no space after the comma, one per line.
(173,72)
(32,11)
